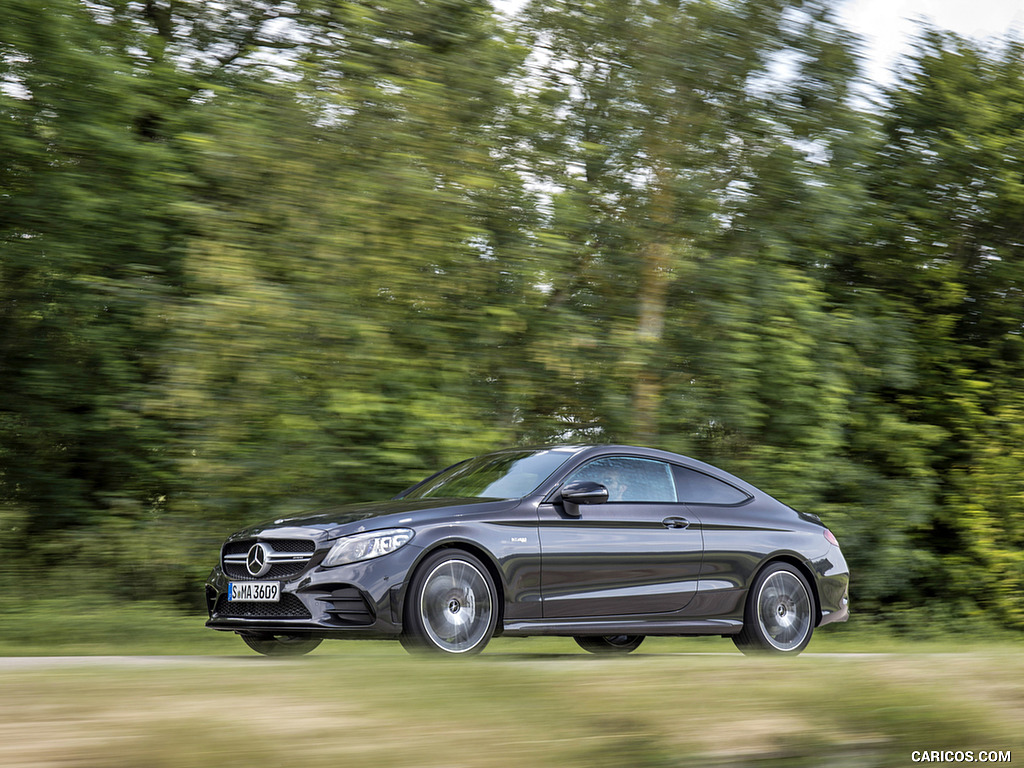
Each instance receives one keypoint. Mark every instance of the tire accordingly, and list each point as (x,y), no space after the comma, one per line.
(610,644)
(779,614)
(451,607)
(281,645)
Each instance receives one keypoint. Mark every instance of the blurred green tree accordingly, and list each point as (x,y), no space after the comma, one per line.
(260,256)
(97,214)
(943,255)
(357,271)
(90,247)
(685,149)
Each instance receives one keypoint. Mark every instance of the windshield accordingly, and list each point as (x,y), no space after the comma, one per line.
(510,475)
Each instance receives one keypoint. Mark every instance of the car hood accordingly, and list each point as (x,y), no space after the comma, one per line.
(351,518)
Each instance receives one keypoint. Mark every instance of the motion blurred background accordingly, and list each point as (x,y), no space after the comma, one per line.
(257,257)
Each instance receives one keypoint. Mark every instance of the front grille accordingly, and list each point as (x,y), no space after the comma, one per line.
(276,572)
(279,545)
(290,607)
(288,557)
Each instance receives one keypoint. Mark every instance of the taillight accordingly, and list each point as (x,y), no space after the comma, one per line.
(831,538)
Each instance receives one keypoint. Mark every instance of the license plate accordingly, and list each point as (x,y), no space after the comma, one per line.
(254,592)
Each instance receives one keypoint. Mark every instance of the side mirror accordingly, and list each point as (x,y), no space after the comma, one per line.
(582,492)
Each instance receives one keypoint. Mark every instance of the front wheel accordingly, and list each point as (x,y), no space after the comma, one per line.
(451,606)
(779,616)
(610,643)
(281,645)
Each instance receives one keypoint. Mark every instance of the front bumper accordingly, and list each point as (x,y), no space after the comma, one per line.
(356,600)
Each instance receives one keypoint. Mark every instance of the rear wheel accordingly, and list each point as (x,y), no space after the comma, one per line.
(451,606)
(281,645)
(610,643)
(779,615)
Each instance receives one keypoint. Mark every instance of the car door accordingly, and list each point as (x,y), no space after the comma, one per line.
(637,553)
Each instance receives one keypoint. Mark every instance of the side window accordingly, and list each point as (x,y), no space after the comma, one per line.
(698,488)
(629,479)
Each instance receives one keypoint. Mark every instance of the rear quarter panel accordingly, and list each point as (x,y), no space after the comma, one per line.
(739,540)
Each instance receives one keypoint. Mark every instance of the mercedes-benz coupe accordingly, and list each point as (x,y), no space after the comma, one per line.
(607,544)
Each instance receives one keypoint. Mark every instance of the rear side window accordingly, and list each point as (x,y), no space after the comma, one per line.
(697,488)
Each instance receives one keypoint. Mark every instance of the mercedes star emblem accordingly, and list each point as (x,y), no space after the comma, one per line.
(257,562)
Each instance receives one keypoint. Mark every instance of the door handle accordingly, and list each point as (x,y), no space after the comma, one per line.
(675,522)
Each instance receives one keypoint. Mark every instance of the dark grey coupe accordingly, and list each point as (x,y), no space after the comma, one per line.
(606,544)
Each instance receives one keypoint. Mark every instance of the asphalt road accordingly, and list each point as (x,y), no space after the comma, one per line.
(58,662)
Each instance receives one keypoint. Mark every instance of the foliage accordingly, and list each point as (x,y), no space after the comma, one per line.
(944,256)
(257,257)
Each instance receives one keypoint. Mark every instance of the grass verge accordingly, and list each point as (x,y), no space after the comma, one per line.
(645,711)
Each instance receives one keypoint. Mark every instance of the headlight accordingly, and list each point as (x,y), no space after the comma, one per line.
(365,546)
